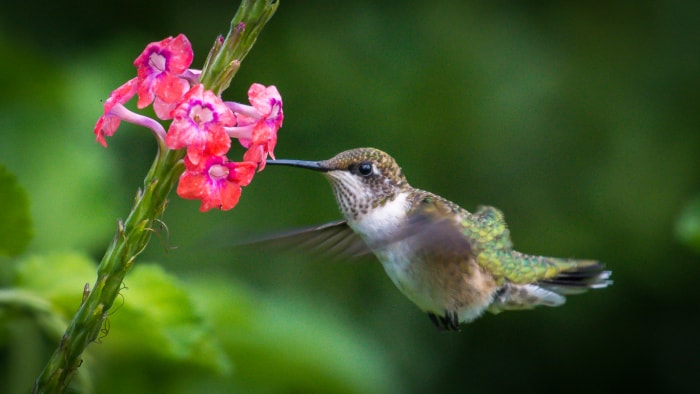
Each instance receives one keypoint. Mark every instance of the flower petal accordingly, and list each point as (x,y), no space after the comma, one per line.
(199,123)
(215,181)
(160,69)
(108,123)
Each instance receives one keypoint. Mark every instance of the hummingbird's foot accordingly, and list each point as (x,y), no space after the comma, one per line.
(447,322)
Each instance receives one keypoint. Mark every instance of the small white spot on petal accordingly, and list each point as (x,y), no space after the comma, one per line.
(157,61)
(200,114)
(218,171)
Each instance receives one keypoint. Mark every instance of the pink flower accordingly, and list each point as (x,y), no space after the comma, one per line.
(160,68)
(198,124)
(164,109)
(115,112)
(108,123)
(201,122)
(215,181)
(258,123)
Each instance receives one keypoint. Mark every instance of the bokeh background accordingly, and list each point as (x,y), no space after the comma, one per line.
(580,120)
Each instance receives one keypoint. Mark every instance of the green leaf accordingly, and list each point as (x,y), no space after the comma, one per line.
(59,277)
(15,221)
(291,345)
(49,289)
(157,320)
(688,225)
(154,326)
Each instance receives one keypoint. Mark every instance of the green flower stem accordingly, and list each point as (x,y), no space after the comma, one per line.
(131,238)
(133,235)
(225,58)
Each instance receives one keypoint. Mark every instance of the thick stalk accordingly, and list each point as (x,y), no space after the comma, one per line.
(131,238)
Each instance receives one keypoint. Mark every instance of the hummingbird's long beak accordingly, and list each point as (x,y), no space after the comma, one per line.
(311,165)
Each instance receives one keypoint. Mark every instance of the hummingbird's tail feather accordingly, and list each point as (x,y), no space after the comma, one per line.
(521,297)
(578,277)
(585,275)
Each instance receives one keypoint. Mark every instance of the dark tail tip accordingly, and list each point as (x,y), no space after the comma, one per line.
(588,275)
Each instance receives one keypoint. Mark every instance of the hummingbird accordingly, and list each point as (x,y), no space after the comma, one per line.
(451,263)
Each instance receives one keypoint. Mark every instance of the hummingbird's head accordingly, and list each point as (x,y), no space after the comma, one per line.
(362,178)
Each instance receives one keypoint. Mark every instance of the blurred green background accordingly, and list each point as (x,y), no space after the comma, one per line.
(580,120)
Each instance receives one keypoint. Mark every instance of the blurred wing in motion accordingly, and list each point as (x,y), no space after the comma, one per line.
(334,240)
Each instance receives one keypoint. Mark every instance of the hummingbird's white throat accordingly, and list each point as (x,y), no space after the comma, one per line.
(362,201)
(381,222)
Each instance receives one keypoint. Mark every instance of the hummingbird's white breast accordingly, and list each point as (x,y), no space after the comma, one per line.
(382,222)
(379,227)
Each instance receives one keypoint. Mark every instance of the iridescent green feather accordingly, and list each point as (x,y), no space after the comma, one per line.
(521,268)
(488,225)
(489,233)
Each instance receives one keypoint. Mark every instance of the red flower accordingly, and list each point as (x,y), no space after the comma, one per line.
(198,124)
(201,122)
(108,123)
(258,124)
(159,70)
(164,109)
(215,181)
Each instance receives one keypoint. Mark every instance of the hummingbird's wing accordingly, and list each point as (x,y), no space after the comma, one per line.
(334,240)
(433,231)
(435,235)
(429,226)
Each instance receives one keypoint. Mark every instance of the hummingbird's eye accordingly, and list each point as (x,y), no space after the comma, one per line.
(364,168)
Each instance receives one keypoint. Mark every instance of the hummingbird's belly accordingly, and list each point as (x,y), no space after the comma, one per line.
(460,286)
(399,267)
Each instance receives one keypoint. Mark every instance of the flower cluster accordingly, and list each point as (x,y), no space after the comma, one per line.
(200,122)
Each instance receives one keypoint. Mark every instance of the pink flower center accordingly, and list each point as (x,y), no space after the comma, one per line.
(157,61)
(275,108)
(217,171)
(201,115)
